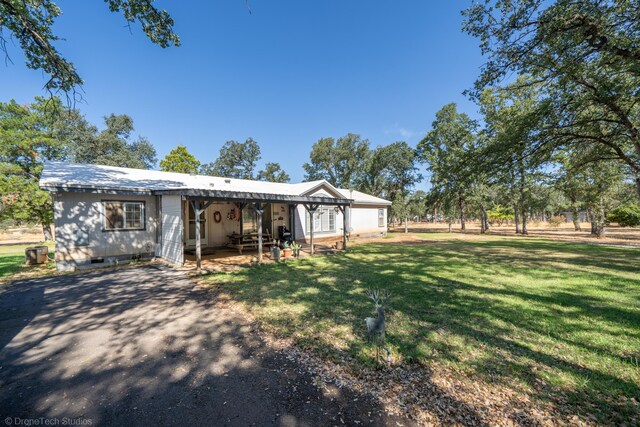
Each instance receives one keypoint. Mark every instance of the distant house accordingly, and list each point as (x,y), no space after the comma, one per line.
(582,216)
(109,214)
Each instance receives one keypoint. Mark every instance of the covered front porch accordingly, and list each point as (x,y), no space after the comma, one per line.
(223,228)
(228,259)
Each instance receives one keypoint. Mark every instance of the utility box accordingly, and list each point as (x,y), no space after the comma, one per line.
(36,255)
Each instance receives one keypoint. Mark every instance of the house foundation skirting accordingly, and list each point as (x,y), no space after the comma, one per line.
(97,262)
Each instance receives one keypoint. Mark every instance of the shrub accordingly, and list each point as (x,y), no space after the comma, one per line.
(499,214)
(555,221)
(626,215)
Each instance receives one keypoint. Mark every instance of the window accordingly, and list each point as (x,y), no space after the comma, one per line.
(317,220)
(123,215)
(324,220)
(380,217)
(249,220)
(192,222)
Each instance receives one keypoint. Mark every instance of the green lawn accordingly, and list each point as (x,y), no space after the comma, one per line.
(548,319)
(12,263)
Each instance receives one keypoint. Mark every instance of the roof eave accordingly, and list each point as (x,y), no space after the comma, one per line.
(253,197)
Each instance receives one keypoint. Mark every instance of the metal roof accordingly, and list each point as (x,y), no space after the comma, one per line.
(65,176)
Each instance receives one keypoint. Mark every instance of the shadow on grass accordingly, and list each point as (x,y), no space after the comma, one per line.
(572,319)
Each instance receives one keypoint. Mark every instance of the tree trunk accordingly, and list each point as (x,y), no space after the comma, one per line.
(484,225)
(523,200)
(461,207)
(524,220)
(435,215)
(48,232)
(592,220)
(576,219)
(449,225)
(486,221)
(638,186)
(601,218)
(516,218)
(406,226)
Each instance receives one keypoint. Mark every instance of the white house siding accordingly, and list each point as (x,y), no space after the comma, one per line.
(172,235)
(364,220)
(217,232)
(80,235)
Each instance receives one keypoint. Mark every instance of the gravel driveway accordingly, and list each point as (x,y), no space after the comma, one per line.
(142,346)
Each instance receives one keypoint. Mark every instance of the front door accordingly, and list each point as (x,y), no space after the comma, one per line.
(191,226)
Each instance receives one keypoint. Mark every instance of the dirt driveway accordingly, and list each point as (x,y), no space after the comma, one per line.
(142,346)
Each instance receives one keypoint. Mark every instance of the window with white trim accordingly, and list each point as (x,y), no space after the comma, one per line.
(324,220)
(380,217)
(121,215)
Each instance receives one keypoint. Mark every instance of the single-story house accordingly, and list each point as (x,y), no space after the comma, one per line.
(105,215)
(583,216)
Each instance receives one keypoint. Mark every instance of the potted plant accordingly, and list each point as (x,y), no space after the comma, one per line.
(295,247)
(286,249)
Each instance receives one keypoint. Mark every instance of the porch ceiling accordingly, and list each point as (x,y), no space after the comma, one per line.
(233,196)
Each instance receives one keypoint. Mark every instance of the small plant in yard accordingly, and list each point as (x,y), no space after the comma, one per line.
(295,247)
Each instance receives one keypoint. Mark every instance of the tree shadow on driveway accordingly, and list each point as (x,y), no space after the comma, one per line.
(142,346)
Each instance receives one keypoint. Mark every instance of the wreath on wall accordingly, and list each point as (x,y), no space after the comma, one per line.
(217,216)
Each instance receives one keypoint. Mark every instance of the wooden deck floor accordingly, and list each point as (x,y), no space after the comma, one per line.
(227,259)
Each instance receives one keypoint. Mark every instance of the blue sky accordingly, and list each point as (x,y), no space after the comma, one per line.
(286,75)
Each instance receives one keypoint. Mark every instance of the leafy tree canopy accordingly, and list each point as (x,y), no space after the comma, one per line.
(340,161)
(586,55)
(112,146)
(272,172)
(29,135)
(236,160)
(447,149)
(180,160)
(446,146)
(31,22)
(389,171)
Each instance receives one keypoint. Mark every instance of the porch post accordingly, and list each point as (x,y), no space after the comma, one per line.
(311,226)
(292,221)
(197,211)
(259,209)
(311,209)
(343,209)
(196,214)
